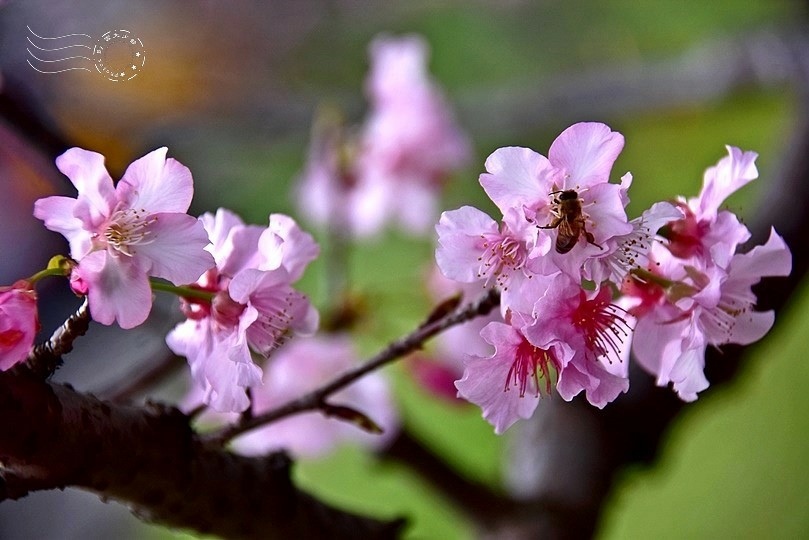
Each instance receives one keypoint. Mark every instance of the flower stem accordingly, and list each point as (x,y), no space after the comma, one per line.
(650,277)
(46,273)
(181,290)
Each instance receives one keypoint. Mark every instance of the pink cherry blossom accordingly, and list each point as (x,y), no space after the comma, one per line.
(508,384)
(703,305)
(253,310)
(596,329)
(395,167)
(301,366)
(580,161)
(120,235)
(18,323)
(705,231)
(472,247)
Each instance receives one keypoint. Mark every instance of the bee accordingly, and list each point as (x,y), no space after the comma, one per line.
(569,221)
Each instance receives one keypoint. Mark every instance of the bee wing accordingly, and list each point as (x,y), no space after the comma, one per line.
(566,236)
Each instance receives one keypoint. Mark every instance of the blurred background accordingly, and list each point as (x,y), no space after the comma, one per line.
(232,89)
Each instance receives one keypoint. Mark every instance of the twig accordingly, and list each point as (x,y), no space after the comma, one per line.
(317,398)
(46,357)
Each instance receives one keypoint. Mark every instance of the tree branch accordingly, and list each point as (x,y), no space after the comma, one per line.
(149,458)
(46,357)
(316,399)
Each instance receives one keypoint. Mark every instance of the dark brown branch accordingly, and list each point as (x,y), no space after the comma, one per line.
(317,398)
(149,458)
(478,501)
(46,358)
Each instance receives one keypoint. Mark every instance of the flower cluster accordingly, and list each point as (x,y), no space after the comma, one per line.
(562,250)
(240,301)
(697,290)
(254,307)
(393,169)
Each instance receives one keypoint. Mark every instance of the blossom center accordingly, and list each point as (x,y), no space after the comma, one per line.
(128,228)
(530,364)
(602,324)
(685,235)
(502,255)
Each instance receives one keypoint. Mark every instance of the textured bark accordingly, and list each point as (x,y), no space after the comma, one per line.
(150,459)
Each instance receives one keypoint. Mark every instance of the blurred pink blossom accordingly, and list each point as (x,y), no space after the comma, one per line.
(19,323)
(407,147)
(302,366)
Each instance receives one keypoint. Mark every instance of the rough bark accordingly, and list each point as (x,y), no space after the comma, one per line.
(151,459)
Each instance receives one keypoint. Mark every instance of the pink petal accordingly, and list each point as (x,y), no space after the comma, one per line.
(484,384)
(460,243)
(296,249)
(241,250)
(58,215)
(771,259)
(118,289)
(586,151)
(688,376)
(230,379)
(750,327)
(658,346)
(86,170)
(177,248)
(517,177)
(157,184)
(727,176)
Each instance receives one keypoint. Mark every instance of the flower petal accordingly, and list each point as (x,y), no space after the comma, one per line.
(177,250)
(517,177)
(157,184)
(58,215)
(460,242)
(117,289)
(86,171)
(586,151)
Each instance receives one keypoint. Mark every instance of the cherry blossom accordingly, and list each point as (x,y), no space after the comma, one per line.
(254,309)
(705,231)
(120,235)
(19,323)
(684,308)
(597,329)
(394,168)
(577,169)
(507,385)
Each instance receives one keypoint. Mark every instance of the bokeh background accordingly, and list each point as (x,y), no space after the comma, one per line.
(232,88)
